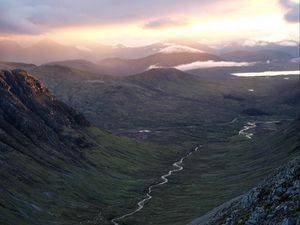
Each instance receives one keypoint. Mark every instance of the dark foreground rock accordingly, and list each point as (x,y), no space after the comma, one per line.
(275,201)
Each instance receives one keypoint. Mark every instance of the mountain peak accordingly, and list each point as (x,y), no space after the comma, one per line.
(47,42)
(9,44)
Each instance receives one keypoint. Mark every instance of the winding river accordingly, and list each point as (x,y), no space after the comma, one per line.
(246,128)
(140,205)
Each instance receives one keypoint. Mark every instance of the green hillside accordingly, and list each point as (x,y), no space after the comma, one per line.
(57,169)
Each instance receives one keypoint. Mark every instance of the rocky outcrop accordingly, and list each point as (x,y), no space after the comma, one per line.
(32,118)
(275,201)
(22,93)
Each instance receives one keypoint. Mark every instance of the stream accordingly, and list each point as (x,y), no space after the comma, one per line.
(246,129)
(177,167)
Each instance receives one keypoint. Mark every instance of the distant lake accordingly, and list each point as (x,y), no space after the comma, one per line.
(267,73)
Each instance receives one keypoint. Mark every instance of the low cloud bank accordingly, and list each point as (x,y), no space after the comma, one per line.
(211,64)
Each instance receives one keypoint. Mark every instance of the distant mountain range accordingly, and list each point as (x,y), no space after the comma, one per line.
(119,66)
(290,47)
(46,51)
(257,56)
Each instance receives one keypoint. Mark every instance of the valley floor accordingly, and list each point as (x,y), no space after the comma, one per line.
(218,172)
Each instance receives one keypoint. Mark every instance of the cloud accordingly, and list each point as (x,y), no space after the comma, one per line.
(164,23)
(18,26)
(39,16)
(211,64)
(292,8)
(14,20)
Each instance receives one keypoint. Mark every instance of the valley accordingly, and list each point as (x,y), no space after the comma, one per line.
(177,165)
(79,146)
(138,112)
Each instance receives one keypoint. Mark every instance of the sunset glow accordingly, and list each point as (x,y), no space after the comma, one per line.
(210,22)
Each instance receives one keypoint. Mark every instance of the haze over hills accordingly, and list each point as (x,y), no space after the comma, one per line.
(170,58)
(43,51)
(46,51)
(290,47)
(257,56)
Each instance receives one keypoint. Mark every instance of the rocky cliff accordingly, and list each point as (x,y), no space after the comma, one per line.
(30,115)
(275,201)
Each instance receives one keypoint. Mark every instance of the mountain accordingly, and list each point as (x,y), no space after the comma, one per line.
(196,45)
(135,52)
(9,50)
(127,52)
(289,47)
(169,57)
(16,65)
(119,66)
(43,51)
(26,104)
(165,99)
(56,167)
(79,64)
(257,56)
(47,50)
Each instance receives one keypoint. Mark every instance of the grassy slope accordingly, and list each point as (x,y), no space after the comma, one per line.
(55,168)
(111,177)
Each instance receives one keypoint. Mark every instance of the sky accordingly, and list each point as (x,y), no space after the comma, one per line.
(138,22)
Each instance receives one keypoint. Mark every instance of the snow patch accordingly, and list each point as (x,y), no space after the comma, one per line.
(154,67)
(178,49)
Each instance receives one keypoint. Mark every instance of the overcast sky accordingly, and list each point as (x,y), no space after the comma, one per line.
(142,21)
